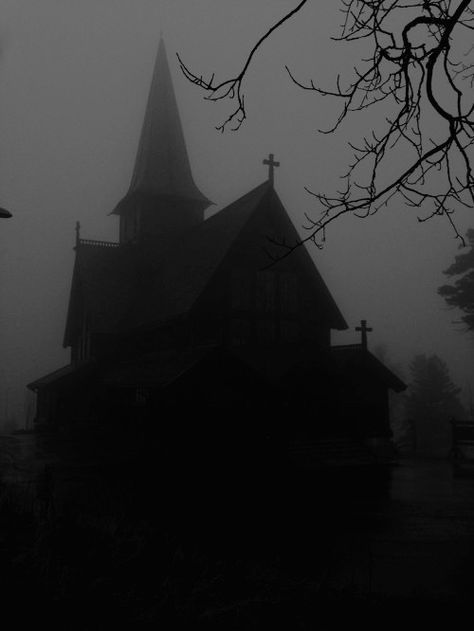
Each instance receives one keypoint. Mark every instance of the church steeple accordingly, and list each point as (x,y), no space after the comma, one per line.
(162,193)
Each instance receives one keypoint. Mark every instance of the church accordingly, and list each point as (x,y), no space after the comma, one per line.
(183,326)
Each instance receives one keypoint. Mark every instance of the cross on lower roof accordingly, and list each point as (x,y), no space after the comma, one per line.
(271,167)
(364,329)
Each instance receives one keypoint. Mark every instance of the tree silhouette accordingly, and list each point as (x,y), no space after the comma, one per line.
(418,73)
(461,293)
(396,400)
(433,399)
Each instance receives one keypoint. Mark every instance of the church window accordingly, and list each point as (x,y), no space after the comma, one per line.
(288,293)
(266,289)
(240,287)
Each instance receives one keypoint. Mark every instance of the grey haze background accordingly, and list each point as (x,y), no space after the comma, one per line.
(74,77)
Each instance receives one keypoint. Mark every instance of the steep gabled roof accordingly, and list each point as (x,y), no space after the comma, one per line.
(292,362)
(162,167)
(121,288)
(354,359)
(331,311)
(127,287)
(184,269)
(64,375)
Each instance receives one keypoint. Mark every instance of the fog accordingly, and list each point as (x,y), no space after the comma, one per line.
(74,79)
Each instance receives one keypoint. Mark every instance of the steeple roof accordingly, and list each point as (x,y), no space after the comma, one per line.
(162,167)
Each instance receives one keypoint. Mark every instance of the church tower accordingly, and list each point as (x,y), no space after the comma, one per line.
(162,199)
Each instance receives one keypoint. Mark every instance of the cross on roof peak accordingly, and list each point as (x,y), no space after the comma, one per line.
(271,167)
(364,329)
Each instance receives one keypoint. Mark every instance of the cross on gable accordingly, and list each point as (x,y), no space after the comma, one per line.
(271,167)
(364,329)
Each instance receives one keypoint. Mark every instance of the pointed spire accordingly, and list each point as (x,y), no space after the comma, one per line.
(162,165)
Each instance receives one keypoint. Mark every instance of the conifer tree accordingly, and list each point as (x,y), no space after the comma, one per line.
(461,293)
(433,400)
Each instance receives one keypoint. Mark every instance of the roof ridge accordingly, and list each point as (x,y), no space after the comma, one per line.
(263,185)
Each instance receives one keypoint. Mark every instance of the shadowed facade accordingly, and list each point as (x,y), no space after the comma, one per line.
(182,319)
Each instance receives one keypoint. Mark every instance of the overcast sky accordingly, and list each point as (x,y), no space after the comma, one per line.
(74,77)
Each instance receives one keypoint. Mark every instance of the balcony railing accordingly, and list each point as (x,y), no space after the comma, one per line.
(102,244)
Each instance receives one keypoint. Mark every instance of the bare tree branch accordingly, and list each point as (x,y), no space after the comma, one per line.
(414,55)
(232,88)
